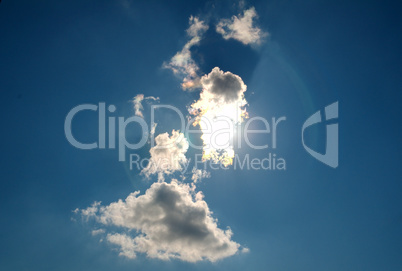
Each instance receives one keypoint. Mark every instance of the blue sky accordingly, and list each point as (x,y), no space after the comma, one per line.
(55,56)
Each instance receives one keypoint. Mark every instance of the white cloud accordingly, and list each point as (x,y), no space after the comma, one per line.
(241,28)
(90,211)
(182,64)
(171,221)
(197,27)
(126,244)
(97,232)
(168,155)
(137,101)
(217,112)
(245,250)
(199,174)
(153,128)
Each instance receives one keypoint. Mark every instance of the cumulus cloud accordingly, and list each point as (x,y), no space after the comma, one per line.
(137,101)
(168,155)
(170,221)
(223,87)
(182,64)
(217,112)
(241,28)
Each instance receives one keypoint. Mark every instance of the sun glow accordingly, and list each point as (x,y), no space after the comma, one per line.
(218,120)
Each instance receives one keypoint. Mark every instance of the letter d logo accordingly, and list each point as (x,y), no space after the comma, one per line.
(330,157)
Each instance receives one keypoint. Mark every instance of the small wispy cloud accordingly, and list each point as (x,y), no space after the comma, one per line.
(199,174)
(182,63)
(242,28)
(137,101)
(97,232)
(153,128)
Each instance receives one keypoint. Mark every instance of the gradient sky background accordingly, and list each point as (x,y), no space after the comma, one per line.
(55,55)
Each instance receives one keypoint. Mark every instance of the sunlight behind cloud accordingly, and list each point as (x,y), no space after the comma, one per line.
(217,112)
